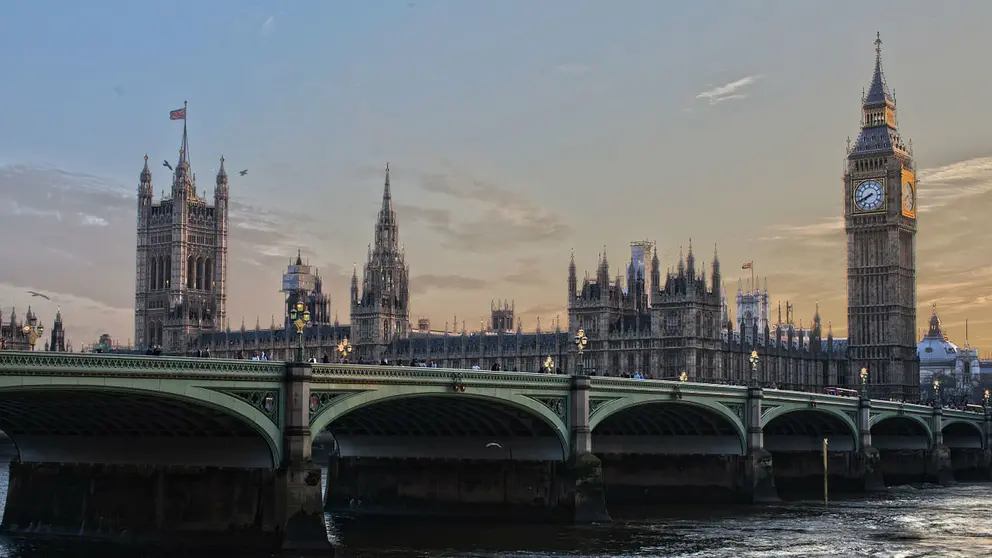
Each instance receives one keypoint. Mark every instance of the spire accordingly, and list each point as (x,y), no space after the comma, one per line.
(387,196)
(146,175)
(183,178)
(935,329)
(299,257)
(222,173)
(878,91)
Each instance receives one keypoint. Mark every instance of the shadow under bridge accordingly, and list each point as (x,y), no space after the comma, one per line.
(441,426)
(137,427)
(804,429)
(668,428)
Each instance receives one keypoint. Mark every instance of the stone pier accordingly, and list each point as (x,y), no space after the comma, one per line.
(174,503)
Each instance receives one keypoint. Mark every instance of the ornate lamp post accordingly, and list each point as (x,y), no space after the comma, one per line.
(753,359)
(580,343)
(300,316)
(986,398)
(864,382)
(936,393)
(683,377)
(33,332)
(549,365)
(344,349)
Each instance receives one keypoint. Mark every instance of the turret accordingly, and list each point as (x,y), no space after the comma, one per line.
(572,279)
(655,275)
(690,263)
(716,278)
(220,190)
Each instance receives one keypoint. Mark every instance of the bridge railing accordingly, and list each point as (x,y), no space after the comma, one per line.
(325,372)
(51,363)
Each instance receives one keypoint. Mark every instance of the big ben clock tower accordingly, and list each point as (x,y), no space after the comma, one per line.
(880,221)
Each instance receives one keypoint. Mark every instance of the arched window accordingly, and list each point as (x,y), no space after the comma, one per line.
(152,274)
(208,275)
(190,272)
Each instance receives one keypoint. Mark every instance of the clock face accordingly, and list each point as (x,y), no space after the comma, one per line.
(868,195)
(908,197)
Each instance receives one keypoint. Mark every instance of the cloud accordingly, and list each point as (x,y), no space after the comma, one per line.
(490,218)
(955,200)
(98,317)
(424,283)
(82,244)
(268,26)
(728,91)
(91,220)
(944,185)
(571,69)
(528,272)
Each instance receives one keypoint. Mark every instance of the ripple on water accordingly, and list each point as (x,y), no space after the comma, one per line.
(905,523)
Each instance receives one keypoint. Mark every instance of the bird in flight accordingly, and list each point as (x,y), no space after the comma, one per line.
(167,165)
(244,172)
(42,295)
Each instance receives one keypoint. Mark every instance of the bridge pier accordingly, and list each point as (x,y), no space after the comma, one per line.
(155,489)
(758,486)
(584,487)
(298,498)
(199,505)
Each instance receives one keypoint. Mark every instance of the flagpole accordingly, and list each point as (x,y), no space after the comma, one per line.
(753,286)
(185,136)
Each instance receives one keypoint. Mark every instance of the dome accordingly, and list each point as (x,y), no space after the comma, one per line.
(935,348)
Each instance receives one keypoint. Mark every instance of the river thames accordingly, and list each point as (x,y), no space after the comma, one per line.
(907,522)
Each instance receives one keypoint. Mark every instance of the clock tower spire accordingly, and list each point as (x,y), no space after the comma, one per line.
(880,222)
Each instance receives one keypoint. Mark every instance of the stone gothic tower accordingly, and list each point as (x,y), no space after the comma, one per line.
(181,267)
(57,342)
(880,221)
(380,312)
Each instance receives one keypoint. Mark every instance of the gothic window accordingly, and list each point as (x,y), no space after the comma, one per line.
(208,274)
(153,274)
(190,272)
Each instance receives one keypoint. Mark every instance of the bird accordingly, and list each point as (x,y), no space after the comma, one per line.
(42,295)
(244,172)
(167,165)
(494,445)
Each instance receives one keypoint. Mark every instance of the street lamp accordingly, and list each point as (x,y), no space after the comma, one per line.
(754,368)
(33,332)
(300,316)
(580,343)
(683,377)
(344,349)
(549,365)
(936,392)
(987,394)
(864,382)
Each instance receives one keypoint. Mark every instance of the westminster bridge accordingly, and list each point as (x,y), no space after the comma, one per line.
(154,446)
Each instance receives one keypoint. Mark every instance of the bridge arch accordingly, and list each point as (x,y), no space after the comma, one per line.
(435,422)
(137,422)
(897,431)
(638,424)
(794,428)
(962,434)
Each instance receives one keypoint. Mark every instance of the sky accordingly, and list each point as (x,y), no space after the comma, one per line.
(516,131)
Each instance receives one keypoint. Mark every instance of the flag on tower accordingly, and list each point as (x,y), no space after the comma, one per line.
(178,114)
(748,265)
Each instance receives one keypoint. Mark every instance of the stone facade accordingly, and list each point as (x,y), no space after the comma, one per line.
(181,255)
(880,221)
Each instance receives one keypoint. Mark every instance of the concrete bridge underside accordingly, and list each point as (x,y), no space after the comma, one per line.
(803,430)
(667,428)
(446,427)
(89,426)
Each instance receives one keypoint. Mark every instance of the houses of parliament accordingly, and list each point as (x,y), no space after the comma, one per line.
(647,323)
